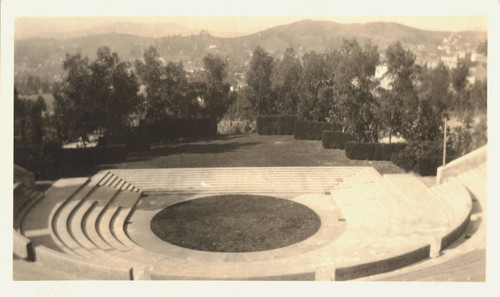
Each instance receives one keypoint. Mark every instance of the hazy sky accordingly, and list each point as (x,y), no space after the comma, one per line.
(241,24)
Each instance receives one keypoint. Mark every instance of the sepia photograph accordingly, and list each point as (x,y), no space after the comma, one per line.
(248,148)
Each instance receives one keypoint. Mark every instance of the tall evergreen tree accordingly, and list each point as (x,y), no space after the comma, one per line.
(259,82)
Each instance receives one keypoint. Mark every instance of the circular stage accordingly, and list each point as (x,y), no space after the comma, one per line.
(235,223)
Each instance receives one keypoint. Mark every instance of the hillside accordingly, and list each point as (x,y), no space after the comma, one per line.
(44,56)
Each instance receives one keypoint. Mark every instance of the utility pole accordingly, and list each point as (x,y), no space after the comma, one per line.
(444,139)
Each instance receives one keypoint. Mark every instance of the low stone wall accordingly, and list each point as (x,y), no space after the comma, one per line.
(382,265)
(464,202)
(462,164)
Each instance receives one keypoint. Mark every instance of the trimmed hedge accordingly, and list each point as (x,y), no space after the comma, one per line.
(309,130)
(173,129)
(372,151)
(275,125)
(335,140)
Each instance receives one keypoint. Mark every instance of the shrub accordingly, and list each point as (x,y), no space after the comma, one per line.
(275,125)
(428,165)
(372,151)
(424,157)
(404,160)
(313,130)
(335,140)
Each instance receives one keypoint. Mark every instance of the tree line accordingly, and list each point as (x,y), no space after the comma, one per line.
(103,96)
(340,86)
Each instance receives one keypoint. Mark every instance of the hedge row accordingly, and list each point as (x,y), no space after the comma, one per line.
(312,130)
(335,140)
(275,125)
(372,151)
(173,129)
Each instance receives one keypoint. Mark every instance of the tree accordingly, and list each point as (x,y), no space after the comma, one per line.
(482,48)
(174,90)
(166,88)
(259,82)
(28,122)
(74,105)
(218,91)
(95,98)
(149,71)
(286,79)
(315,86)
(115,87)
(433,102)
(479,95)
(353,84)
(402,98)
(463,105)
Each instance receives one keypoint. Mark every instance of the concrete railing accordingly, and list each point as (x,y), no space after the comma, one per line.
(462,164)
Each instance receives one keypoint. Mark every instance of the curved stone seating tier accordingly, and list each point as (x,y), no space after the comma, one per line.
(464,258)
(24,198)
(37,224)
(389,221)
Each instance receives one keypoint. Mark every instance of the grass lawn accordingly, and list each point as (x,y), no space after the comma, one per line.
(245,151)
(236,223)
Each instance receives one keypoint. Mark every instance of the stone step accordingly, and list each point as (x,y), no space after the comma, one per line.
(118,227)
(104,226)
(259,179)
(440,196)
(63,215)
(374,213)
(431,215)
(124,202)
(23,198)
(38,221)
(405,210)
(20,215)
(90,226)
(476,185)
(75,227)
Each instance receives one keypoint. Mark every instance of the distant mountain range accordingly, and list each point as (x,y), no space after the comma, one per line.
(43,55)
(154,30)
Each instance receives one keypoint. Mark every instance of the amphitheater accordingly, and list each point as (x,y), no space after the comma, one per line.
(394,227)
